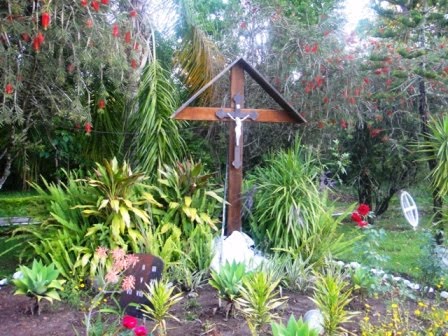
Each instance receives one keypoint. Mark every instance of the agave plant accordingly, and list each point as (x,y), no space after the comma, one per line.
(293,328)
(39,282)
(228,282)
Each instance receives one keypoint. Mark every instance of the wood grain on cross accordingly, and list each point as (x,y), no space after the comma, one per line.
(237,115)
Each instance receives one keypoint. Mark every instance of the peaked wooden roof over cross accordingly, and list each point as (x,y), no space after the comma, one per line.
(288,114)
(235,115)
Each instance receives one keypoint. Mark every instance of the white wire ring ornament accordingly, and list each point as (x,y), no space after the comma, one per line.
(409,208)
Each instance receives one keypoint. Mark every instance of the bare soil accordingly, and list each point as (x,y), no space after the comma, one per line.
(198,315)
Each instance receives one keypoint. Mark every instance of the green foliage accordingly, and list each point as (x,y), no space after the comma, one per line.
(164,241)
(332,294)
(258,300)
(158,141)
(293,328)
(186,201)
(14,206)
(367,247)
(161,299)
(289,212)
(228,282)
(363,281)
(436,148)
(120,212)
(39,282)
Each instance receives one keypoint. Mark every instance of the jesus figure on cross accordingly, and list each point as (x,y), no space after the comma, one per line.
(238,126)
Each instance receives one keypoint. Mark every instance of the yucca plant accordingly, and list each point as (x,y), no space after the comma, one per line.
(39,282)
(258,300)
(332,294)
(161,299)
(228,282)
(293,328)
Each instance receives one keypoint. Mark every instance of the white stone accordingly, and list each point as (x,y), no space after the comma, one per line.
(340,263)
(431,290)
(406,282)
(354,265)
(3,282)
(315,320)
(396,278)
(444,295)
(17,275)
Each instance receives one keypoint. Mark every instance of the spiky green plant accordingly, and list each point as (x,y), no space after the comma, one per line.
(332,294)
(258,300)
(161,299)
(228,282)
(293,328)
(39,282)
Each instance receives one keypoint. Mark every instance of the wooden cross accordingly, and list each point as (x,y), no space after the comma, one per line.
(236,115)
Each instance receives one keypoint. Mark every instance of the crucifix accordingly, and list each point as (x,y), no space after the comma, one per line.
(236,116)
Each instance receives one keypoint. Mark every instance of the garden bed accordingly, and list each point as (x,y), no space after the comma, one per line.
(198,315)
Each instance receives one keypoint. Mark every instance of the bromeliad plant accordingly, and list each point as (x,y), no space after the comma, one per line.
(259,300)
(293,328)
(39,282)
(161,299)
(228,282)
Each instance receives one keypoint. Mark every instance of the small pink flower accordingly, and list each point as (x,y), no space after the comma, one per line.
(128,283)
(140,331)
(129,322)
(112,277)
(118,254)
(101,252)
(362,224)
(131,260)
(363,209)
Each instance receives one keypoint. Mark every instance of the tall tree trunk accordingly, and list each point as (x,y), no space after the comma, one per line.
(7,168)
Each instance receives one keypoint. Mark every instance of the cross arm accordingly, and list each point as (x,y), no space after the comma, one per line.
(209,114)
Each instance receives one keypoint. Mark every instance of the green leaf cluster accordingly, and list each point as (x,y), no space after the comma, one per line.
(40,282)
(293,328)
(228,281)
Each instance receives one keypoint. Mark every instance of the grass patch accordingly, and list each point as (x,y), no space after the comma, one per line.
(17,204)
(10,260)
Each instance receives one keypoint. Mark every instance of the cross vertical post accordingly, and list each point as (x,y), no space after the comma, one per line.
(235,175)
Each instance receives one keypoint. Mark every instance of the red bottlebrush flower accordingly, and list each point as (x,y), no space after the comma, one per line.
(9,89)
(362,224)
(84,3)
(45,20)
(95,5)
(351,100)
(363,209)
(133,13)
(378,71)
(127,37)
(134,64)
(319,80)
(36,44)
(314,48)
(88,128)
(356,217)
(136,46)
(325,100)
(388,82)
(320,124)
(89,23)
(101,104)
(129,322)
(374,132)
(70,68)
(115,30)
(40,37)
(140,331)
(366,80)
(445,69)
(105,2)
(25,37)
(343,124)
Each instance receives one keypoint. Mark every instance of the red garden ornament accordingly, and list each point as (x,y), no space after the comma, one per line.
(45,20)
(95,5)
(115,30)
(9,89)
